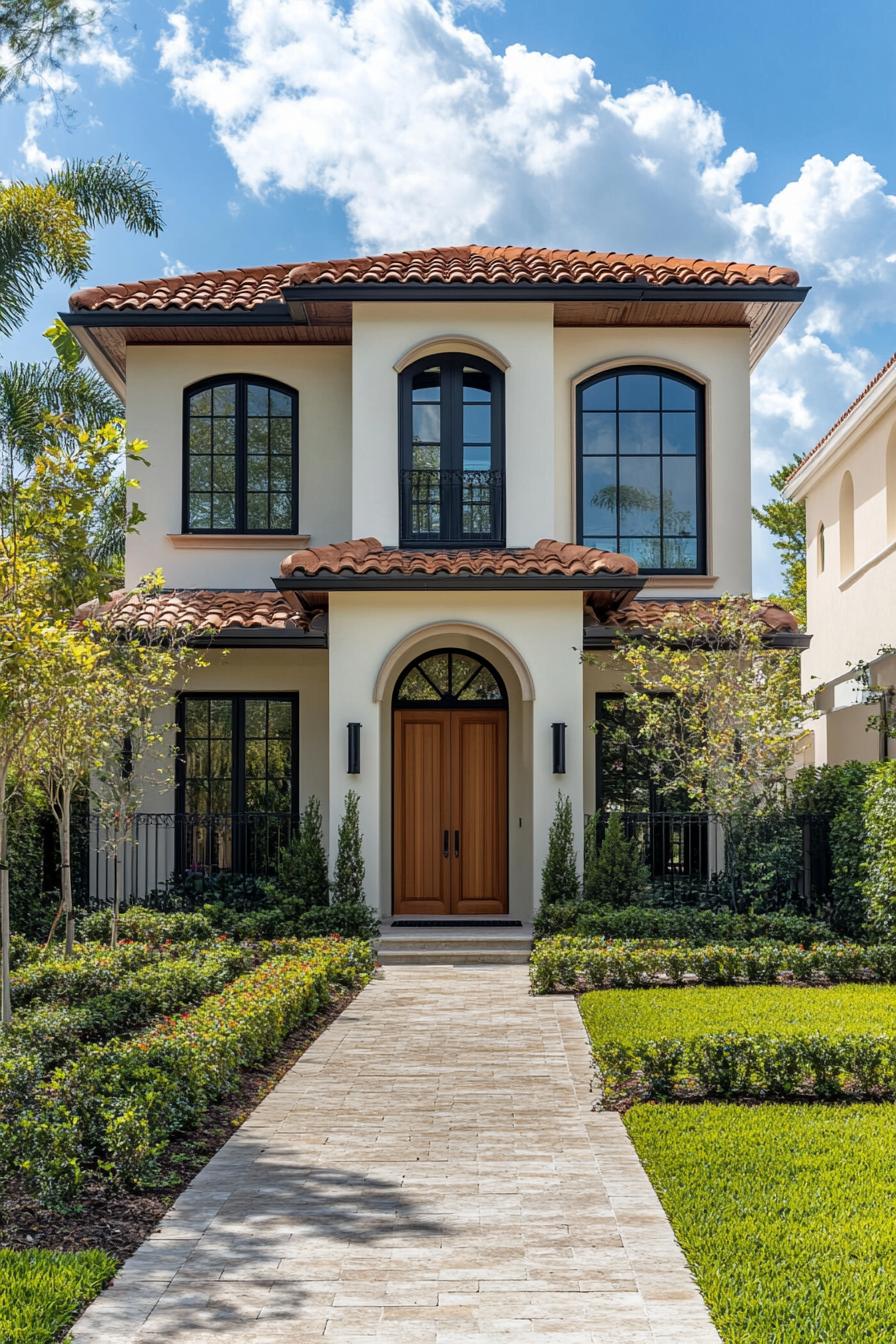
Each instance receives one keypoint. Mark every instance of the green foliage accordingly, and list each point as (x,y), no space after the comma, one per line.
(348,875)
(41,1292)
(31,392)
(785,520)
(115,1107)
(838,792)
(350,919)
(686,924)
(566,961)
(879,886)
(36,36)
(139,924)
(616,875)
(559,876)
(769,1041)
(784,1214)
(301,874)
(31,907)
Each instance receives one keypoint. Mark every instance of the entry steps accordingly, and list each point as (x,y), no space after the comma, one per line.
(440,943)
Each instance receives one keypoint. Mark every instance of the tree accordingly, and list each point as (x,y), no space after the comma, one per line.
(36,36)
(615,873)
(785,520)
(45,225)
(302,865)
(559,876)
(348,875)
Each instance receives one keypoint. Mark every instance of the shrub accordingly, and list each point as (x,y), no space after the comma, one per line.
(41,1292)
(559,878)
(348,877)
(879,885)
(117,1105)
(350,919)
(617,875)
(569,962)
(140,924)
(301,874)
(685,924)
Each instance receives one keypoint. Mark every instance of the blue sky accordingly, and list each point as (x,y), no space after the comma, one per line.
(292,129)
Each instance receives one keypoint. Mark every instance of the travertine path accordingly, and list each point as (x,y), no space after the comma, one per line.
(430,1170)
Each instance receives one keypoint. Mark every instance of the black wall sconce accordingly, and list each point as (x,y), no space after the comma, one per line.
(558,735)
(354,748)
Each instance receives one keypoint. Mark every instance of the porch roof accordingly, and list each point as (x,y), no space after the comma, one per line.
(245,616)
(602,627)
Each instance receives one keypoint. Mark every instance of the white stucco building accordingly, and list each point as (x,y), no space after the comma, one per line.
(408,492)
(848,484)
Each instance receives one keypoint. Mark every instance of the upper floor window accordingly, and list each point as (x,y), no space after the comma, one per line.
(451,425)
(847,524)
(241,438)
(641,468)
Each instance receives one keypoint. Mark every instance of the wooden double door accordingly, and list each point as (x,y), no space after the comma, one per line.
(449,843)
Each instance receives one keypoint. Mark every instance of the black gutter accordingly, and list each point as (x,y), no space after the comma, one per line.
(263,315)
(261,639)
(607,637)
(398,582)
(533,291)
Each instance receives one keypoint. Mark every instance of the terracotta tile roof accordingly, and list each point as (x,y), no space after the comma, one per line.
(845,415)
(471,265)
(369,556)
(534,265)
(646,615)
(203,610)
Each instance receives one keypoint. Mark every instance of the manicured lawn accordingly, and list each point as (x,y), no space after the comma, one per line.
(786,1213)
(629,1015)
(42,1292)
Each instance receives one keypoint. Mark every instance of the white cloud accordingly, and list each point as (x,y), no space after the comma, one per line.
(401,113)
(171,267)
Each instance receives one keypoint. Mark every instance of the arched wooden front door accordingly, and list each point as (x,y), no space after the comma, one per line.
(449,796)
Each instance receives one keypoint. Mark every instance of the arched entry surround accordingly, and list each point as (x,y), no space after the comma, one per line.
(511,667)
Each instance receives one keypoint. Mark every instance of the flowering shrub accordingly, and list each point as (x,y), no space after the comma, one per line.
(568,962)
(116,1106)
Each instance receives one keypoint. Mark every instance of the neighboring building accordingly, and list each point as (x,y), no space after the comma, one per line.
(408,491)
(848,484)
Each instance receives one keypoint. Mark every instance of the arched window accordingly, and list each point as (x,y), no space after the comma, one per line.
(891,485)
(819,548)
(450,679)
(641,468)
(241,456)
(847,526)
(451,425)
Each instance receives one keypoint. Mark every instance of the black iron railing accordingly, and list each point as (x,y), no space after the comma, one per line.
(454,508)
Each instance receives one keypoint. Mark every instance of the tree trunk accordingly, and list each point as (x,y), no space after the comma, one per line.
(65,874)
(5,991)
(117,872)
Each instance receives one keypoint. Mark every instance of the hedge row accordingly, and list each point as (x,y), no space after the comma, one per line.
(573,963)
(72,979)
(685,924)
(115,1108)
(730,1064)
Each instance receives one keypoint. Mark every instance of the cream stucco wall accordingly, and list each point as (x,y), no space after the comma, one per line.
(545,629)
(157,376)
(523,334)
(719,358)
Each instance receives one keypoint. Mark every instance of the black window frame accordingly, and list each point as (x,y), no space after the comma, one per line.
(699,390)
(238,743)
(452,364)
(448,699)
(241,430)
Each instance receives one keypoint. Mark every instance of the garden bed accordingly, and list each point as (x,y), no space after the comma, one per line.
(785,1214)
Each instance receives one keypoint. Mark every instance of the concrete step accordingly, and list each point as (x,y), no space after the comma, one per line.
(454,946)
(452,956)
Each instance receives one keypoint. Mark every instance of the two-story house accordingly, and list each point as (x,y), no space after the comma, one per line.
(408,491)
(848,484)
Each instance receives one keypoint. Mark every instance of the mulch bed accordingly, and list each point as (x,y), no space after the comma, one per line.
(117,1221)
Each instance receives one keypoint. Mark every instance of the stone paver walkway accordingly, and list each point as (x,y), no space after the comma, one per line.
(430,1170)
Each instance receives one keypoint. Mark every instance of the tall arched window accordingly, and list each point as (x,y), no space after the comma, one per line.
(847,526)
(641,468)
(891,485)
(451,425)
(819,548)
(241,456)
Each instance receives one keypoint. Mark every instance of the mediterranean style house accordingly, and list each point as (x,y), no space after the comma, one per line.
(407,492)
(848,484)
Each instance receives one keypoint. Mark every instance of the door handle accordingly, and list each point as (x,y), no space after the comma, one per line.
(457,844)
(444,844)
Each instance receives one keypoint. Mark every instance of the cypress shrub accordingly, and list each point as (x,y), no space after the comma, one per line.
(559,876)
(348,877)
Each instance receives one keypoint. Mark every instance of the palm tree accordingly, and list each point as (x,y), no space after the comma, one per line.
(45,225)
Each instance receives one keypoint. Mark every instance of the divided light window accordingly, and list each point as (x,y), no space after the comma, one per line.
(241,456)
(238,754)
(641,468)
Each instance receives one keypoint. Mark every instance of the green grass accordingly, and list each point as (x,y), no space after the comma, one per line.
(784,1212)
(42,1292)
(629,1015)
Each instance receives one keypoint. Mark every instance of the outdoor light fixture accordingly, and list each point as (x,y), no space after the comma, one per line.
(558,734)
(354,748)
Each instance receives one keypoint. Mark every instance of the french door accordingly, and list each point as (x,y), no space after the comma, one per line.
(450,812)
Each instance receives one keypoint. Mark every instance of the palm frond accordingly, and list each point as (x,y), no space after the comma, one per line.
(114,190)
(29,392)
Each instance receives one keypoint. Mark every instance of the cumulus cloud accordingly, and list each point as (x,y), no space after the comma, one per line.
(172,267)
(402,113)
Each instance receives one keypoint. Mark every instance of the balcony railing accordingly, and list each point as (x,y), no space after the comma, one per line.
(453,508)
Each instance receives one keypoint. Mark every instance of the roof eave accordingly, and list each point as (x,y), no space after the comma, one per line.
(374,581)
(863,414)
(608,637)
(530,291)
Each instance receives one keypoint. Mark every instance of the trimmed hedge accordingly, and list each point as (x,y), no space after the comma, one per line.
(139,924)
(761,1042)
(115,1108)
(785,1214)
(41,1292)
(567,962)
(686,924)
